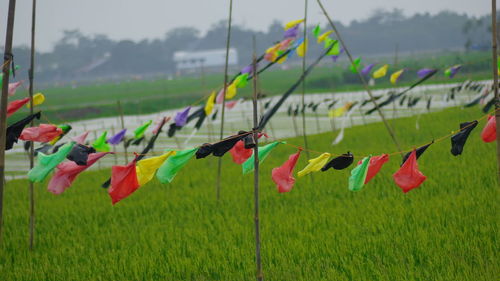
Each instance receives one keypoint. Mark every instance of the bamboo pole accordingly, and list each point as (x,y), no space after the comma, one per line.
(228,43)
(120,111)
(365,85)
(258,260)
(7,60)
(494,54)
(32,145)
(304,58)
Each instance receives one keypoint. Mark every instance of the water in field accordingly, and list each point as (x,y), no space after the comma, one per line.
(282,125)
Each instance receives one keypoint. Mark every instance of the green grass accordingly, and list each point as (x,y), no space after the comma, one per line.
(65,104)
(445,230)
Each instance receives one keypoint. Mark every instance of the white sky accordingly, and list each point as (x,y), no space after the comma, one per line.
(139,19)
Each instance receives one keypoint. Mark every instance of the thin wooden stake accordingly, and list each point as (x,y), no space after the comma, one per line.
(32,145)
(228,43)
(7,60)
(120,111)
(258,261)
(494,48)
(365,85)
(304,134)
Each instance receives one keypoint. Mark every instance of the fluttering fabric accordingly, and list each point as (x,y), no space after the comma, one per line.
(100,143)
(66,173)
(13,87)
(291,32)
(283,175)
(316,30)
(374,166)
(231,104)
(419,151)
(424,72)
(80,154)
(239,153)
(358,175)
(65,129)
(302,48)
(15,130)
(355,65)
(220,148)
(408,176)
(147,168)
(117,138)
(47,163)
(452,71)
(38,99)
(458,140)
(81,138)
(169,169)
(367,69)
(264,151)
(123,182)
(489,133)
(42,133)
(339,163)
(395,76)
(292,24)
(141,130)
(323,36)
(14,106)
(315,164)
(381,72)
(241,80)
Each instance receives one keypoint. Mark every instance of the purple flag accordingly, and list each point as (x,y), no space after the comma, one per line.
(368,68)
(181,117)
(454,70)
(247,69)
(292,32)
(116,139)
(424,72)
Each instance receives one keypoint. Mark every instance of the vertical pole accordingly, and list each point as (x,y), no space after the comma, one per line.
(365,85)
(228,43)
(304,81)
(494,46)
(32,145)
(120,111)
(258,261)
(7,60)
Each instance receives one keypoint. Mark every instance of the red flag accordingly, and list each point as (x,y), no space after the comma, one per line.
(283,176)
(123,182)
(408,176)
(42,133)
(376,163)
(489,132)
(14,106)
(68,171)
(239,153)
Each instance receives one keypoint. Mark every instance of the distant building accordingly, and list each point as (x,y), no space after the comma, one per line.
(209,60)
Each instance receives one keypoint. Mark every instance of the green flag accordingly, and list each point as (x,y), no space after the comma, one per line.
(317,30)
(241,81)
(358,175)
(355,65)
(47,163)
(248,166)
(139,132)
(335,50)
(167,171)
(100,143)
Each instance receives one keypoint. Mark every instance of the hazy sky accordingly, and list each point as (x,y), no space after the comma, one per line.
(139,19)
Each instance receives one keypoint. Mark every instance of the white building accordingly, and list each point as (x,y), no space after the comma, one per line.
(193,61)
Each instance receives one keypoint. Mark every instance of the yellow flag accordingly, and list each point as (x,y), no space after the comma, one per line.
(302,48)
(323,36)
(315,164)
(381,72)
(282,60)
(293,24)
(231,91)
(395,76)
(146,168)
(38,99)
(209,106)
(336,112)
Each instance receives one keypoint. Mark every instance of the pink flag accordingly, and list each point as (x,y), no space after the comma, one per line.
(408,176)
(42,133)
(14,106)
(81,138)
(231,104)
(67,172)
(283,176)
(13,87)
